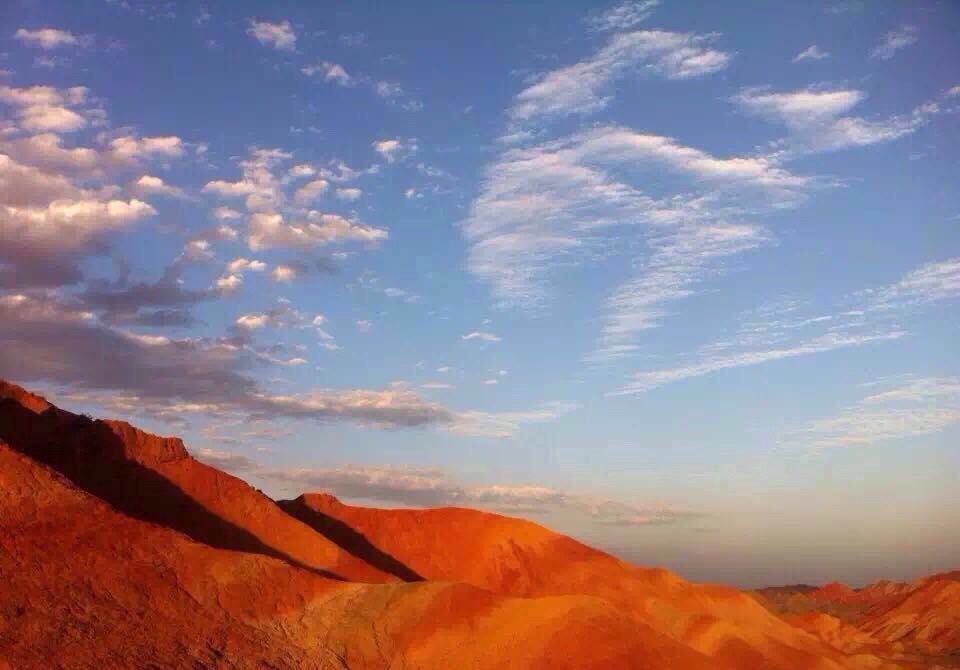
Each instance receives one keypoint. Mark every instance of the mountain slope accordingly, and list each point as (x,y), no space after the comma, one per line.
(520,558)
(86,586)
(155,479)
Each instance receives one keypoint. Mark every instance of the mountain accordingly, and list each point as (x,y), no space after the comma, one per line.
(520,558)
(118,549)
(917,623)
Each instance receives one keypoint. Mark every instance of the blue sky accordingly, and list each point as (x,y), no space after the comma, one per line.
(679,280)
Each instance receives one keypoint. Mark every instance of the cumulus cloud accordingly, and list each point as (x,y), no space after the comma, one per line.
(331,72)
(311,191)
(320,229)
(241,264)
(392,92)
(284,273)
(279,36)
(894,41)
(56,203)
(388,148)
(69,347)
(128,147)
(47,38)
(151,185)
(47,109)
(46,151)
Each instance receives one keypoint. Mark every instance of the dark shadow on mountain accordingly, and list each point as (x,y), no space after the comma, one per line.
(92,456)
(349,539)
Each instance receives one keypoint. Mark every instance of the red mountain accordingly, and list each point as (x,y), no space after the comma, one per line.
(118,549)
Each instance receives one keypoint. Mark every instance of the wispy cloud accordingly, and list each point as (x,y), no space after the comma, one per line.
(478,335)
(818,119)
(894,41)
(919,406)
(811,53)
(867,317)
(642,382)
(624,16)
(567,201)
(581,88)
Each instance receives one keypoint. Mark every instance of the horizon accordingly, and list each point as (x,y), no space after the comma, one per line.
(676,281)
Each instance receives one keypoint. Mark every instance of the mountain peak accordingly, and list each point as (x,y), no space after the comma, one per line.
(23,397)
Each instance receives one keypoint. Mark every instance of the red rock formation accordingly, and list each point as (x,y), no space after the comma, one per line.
(520,558)
(118,549)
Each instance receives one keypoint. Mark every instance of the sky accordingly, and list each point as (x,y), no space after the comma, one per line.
(678,279)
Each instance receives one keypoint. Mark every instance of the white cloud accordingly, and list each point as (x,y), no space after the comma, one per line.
(330,72)
(623,16)
(283,273)
(229,283)
(197,250)
(865,317)
(436,385)
(251,321)
(277,35)
(225,232)
(920,406)
(241,264)
(225,214)
(47,109)
(505,424)
(580,88)
(642,382)
(302,170)
(894,41)
(813,53)
(478,335)
(151,185)
(270,230)
(933,282)
(47,38)
(818,121)
(349,194)
(258,185)
(311,191)
(46,150)
(133,148)
(562,201)
(363,325)
(677,264)
(64,224)
(390,148)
